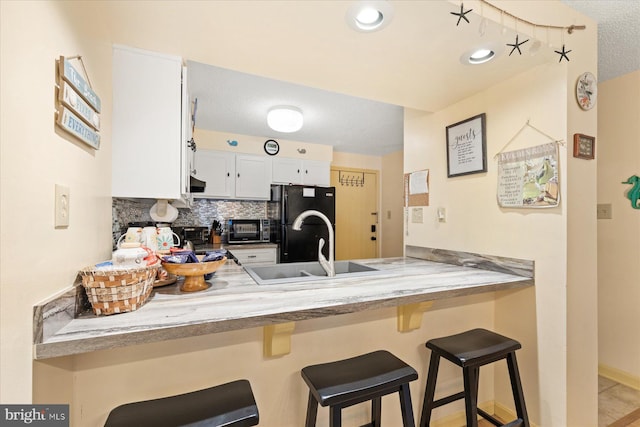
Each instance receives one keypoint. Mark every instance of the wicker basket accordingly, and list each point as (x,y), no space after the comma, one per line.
(118,291)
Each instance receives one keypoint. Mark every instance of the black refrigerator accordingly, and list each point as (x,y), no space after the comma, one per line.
(287,202)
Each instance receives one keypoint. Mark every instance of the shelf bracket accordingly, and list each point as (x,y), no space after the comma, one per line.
(277,339)
(410,315)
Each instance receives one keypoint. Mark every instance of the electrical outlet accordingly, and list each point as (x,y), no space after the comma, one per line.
(62,206)
(604,211)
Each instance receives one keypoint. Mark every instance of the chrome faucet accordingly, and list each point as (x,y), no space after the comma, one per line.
(327,265)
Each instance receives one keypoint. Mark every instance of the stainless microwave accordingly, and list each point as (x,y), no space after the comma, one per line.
(248,230)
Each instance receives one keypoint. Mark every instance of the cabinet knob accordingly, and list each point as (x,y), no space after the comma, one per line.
(228,174)
(238,175)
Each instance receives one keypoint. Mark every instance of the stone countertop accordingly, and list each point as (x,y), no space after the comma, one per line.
(235,301)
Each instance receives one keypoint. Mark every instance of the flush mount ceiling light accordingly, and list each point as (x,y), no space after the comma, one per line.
(367,16)
(285,118)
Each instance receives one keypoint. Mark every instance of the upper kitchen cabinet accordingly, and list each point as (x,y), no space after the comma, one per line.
(298,171)
(151,149)
(233,176)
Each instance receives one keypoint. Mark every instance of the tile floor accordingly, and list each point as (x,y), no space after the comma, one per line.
(615,401)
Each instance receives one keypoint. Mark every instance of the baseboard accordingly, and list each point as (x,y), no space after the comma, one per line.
(619,376)
(504,413)
(459,419)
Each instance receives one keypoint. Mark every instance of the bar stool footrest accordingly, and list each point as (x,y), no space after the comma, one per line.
(448,399)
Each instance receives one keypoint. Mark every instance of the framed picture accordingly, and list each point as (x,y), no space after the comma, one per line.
(467,146)
(584,146)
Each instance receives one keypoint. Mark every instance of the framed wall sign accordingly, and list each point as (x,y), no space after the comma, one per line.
(467,146)
(584,146)
(271,147)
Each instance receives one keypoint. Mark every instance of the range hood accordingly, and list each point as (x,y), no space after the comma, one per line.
(196,185)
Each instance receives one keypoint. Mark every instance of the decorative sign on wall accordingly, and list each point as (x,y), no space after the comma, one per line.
(584,146)
(467,146)
(634,193)
(77,105)
(528,178)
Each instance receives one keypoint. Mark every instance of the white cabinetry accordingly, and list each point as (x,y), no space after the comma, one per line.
(255,256)
(298,171)
(233,176)
(149,154)
(218,170)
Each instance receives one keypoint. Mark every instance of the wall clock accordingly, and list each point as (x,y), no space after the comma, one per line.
(271,147)
(586,91)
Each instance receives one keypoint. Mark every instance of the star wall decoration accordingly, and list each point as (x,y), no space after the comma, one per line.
(461,14)
(563,54)
(516,45)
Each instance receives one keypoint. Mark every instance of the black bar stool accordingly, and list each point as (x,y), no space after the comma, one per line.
(347,382)
(230,404)
(470,350)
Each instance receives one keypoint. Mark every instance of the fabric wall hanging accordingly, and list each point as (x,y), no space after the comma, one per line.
(528,178)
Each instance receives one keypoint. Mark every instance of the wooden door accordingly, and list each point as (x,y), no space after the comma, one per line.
(356,213)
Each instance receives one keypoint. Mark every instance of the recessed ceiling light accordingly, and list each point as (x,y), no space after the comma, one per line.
(285,118)
(367,16)
(482,53)
(481,56)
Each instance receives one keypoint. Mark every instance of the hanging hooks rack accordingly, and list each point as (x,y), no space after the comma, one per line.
(351,179)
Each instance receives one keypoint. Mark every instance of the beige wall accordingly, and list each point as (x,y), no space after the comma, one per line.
(539,318)
(37,260)
(618,153)
(35,33)
(213,140)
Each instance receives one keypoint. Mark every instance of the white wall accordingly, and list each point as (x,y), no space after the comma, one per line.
(618,153)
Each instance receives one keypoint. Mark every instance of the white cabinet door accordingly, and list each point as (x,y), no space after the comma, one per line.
(217,169)
(253,177)
(146,124)
(316,172)
(187,146)
(287,171)
(298,171)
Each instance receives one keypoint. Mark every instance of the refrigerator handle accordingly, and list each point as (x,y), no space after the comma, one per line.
(284,242)
(285,203)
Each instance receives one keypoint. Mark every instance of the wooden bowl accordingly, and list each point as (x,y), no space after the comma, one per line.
(193,273)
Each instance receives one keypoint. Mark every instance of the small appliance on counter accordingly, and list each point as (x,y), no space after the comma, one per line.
(248,231)
(197,235)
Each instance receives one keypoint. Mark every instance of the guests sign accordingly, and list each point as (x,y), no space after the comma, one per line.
(77,105)
(467,146)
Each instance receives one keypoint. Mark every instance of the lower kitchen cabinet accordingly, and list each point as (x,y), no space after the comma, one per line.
(255,256)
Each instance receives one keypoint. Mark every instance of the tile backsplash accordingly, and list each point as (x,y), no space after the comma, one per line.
(201,213)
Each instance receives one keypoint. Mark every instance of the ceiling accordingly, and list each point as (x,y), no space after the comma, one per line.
(236,102)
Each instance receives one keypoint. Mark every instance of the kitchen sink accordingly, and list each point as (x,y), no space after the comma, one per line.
(306,272)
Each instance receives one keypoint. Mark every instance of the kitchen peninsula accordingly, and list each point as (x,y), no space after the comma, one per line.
(234,301)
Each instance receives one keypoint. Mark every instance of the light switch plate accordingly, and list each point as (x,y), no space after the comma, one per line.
(605,211)
(62,206)
(416,215)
